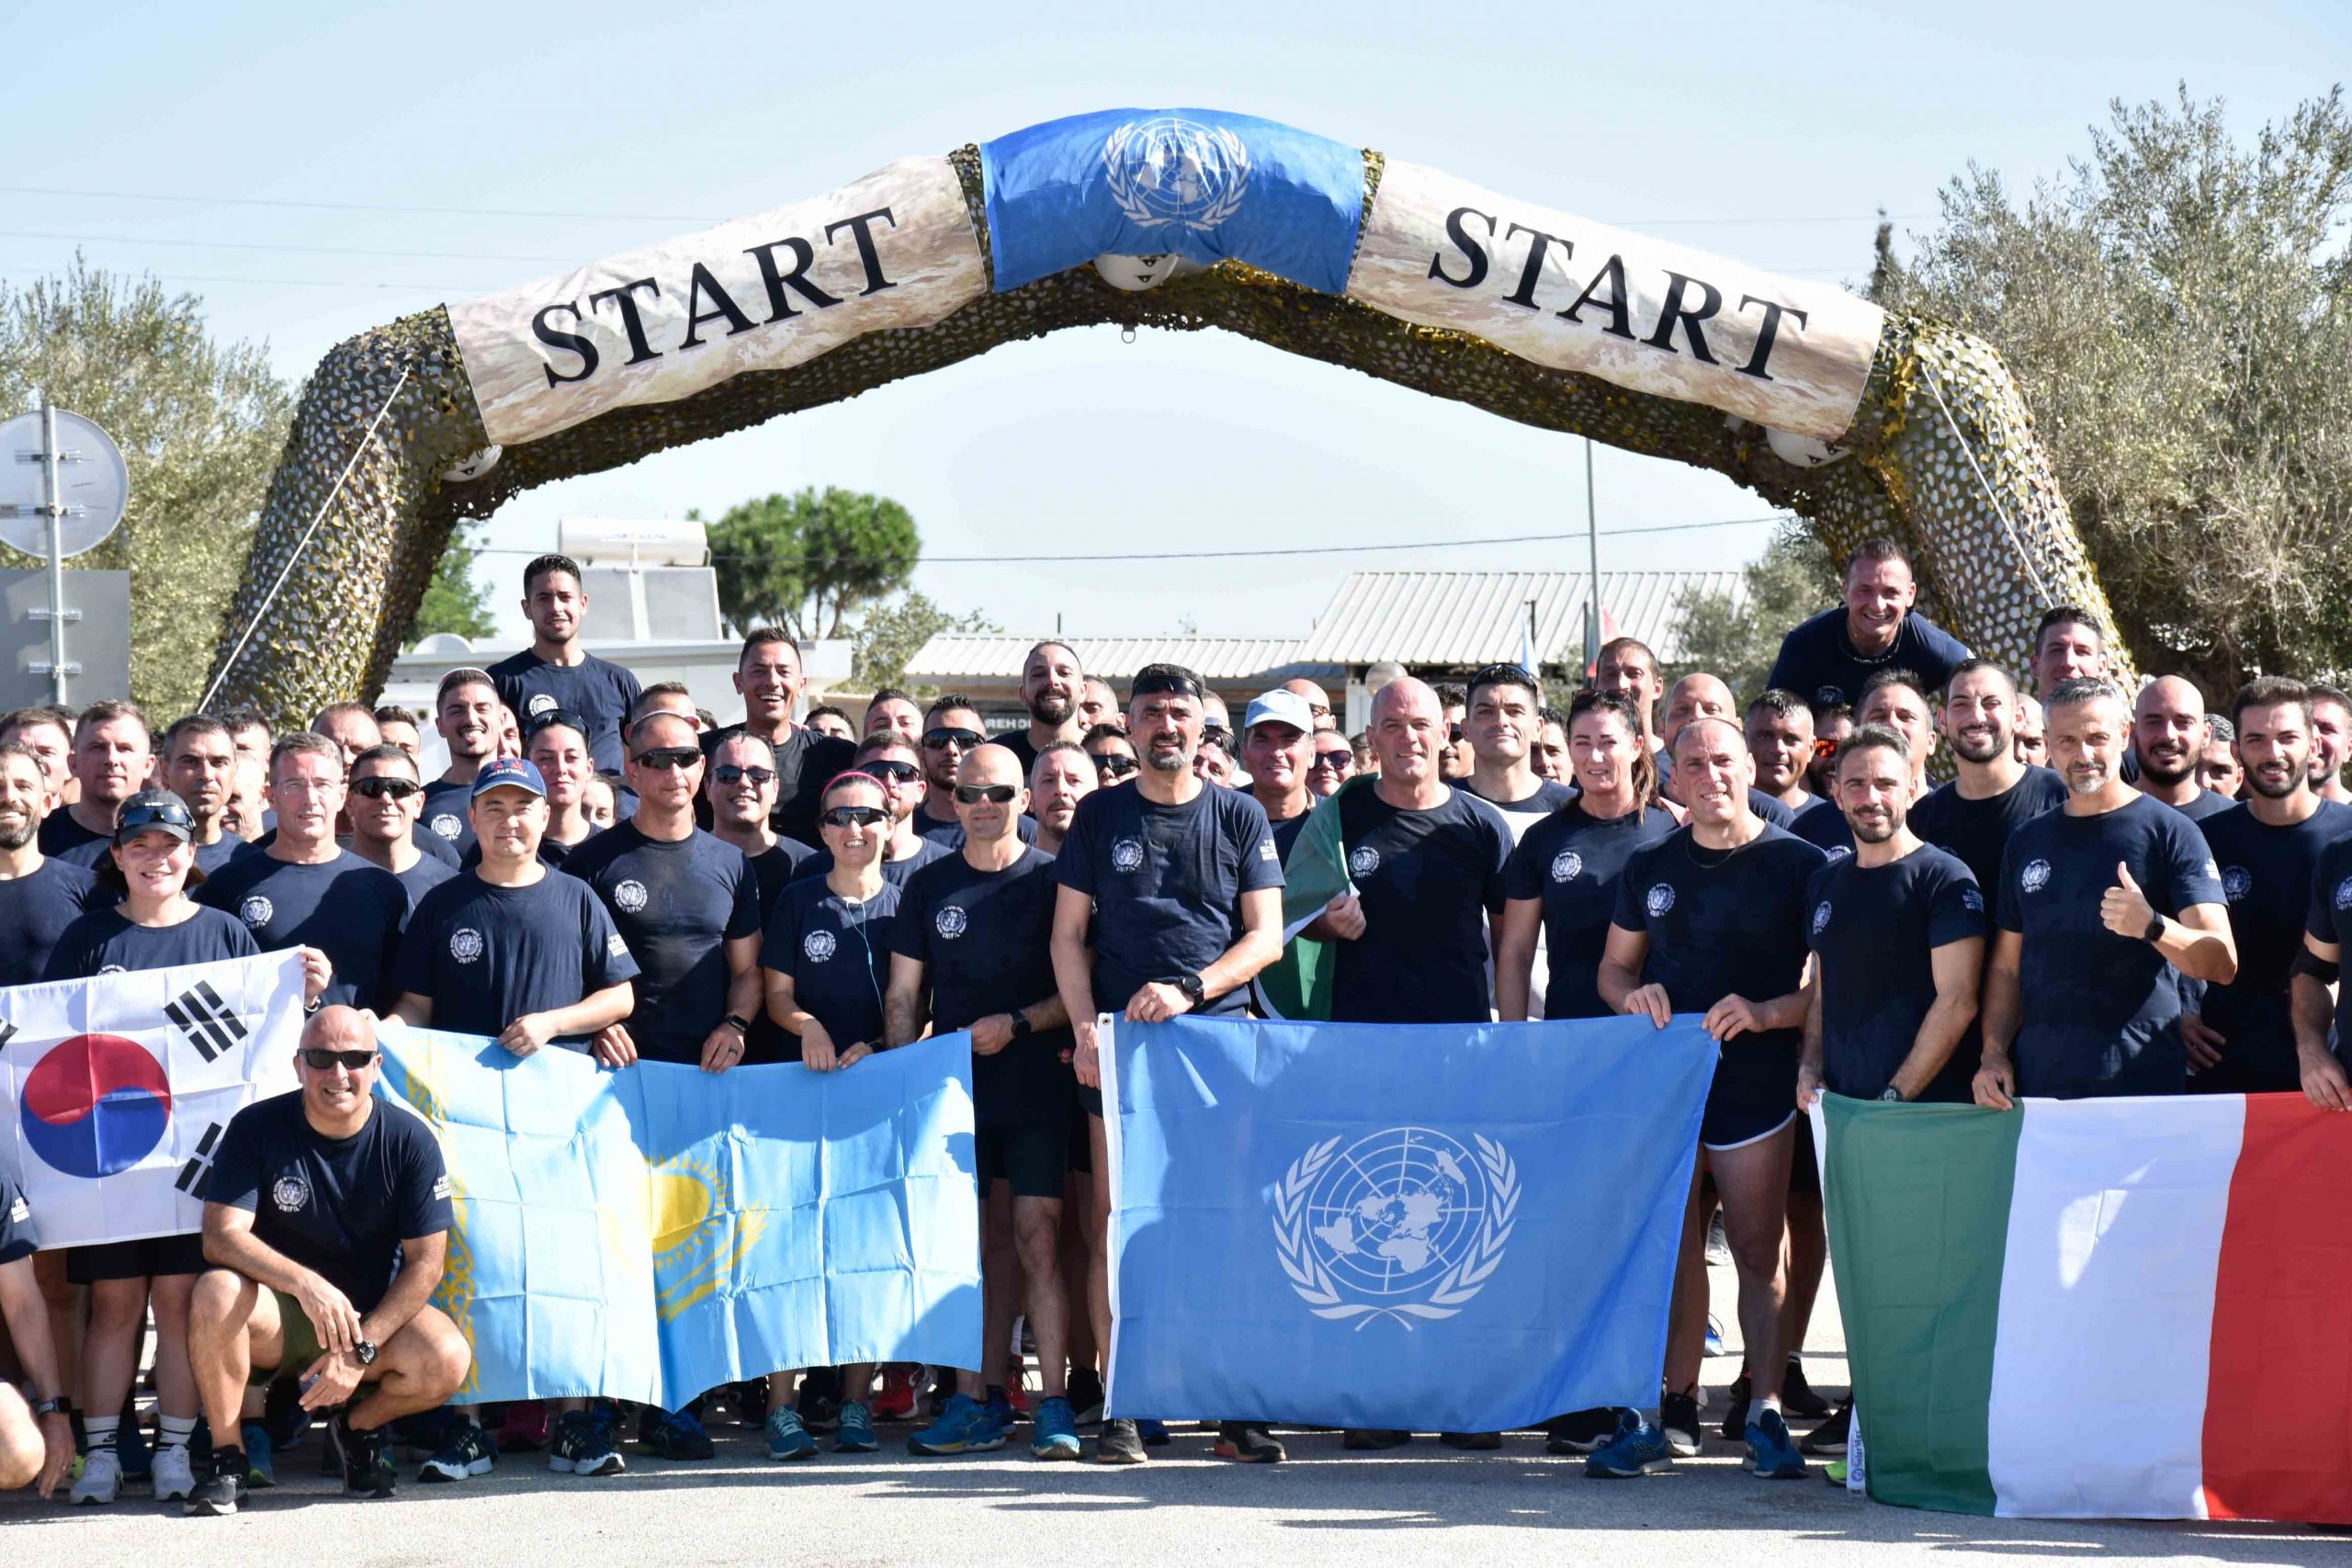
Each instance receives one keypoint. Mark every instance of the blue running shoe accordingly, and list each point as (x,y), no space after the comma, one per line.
(1638,1448)
(787,1439)
(261,1456)
(1053,1433)
(999,1408)
(1772,1454)
(674,1435)
(855,1433)
(964,1427)
(1714,1346)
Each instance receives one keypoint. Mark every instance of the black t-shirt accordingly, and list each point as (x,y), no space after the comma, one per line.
(60,832)
(806,762)
(1978,830)
(984,940)
(348,909)
(35,912)
(1519,815)
(775,869)
(1167,882)
(17,1237)
(677,905)
(1427,880)
(600,692)
(105,941)
(1817,661)
(340,1207)
(1570,860)
(486,956)
(2267,875)
(838,954)
(1874,931)
(2102,1013)
(446,815)
(2329,920)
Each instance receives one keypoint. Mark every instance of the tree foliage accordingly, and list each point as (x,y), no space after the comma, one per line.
(2178,308)
(891,635)
(808,561)
(1737,636)
(453,601)
(201,425)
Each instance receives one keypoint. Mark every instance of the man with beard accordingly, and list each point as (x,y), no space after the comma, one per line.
(555,671)
(2268,849)
(465,713)
(1051,683)
(2219,770)
(1062,776)
(891,712)
(112,751)
(1993,794)
(200,766)
(770,679)
(1277,738)
(2169,734)
(48,734)
(1455,760)
(951,730)
(1827,658)
(2099,904)
(2069,643)
(40,896)
(2331,742)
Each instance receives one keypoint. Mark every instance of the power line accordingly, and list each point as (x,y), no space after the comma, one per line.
(297,250)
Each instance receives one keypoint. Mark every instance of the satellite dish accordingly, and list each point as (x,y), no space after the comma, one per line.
(93,485)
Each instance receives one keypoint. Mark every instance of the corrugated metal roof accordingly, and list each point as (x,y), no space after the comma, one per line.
(1471,618)
(952,658)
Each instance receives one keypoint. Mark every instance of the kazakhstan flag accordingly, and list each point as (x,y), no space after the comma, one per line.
(652,1233)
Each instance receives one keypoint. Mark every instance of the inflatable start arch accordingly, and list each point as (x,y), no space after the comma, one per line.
(1860,422)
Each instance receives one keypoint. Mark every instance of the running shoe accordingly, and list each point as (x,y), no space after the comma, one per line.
(855,1433)
(101,1479)
(1153,1431)
(1829,1437)
(1582,1431)
(1677,1417)
(1086,1397)
(1248,1442)
(1054,1434)
(999,1408)
(585,1445)
(175,1474)
(1835,1472)
(1373,1439)
(1797,1396)
(1735,1424)
(787,1439)
(673,1434)
(1715,1344)
(897,1400)
(1772,1455)
(218,1494)
(1718,1245)
(525,1430)
(466,1449)
(366,1458)
(964,1427)
(1119,1443)
(1638,1448)
(1472,1442)
(749,1401)
(261,1457)
(821,1399)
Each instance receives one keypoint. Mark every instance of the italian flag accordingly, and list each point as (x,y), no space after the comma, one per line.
(2098,1309)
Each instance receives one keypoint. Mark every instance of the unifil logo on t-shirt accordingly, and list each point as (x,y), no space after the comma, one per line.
(447,824)
(1660,899)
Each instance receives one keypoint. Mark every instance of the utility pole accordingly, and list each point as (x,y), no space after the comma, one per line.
(1592,542)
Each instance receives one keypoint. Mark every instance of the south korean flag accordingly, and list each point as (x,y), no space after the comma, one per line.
(114,1090)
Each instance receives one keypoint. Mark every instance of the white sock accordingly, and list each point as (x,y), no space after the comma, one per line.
(174,1431)
(100,1430)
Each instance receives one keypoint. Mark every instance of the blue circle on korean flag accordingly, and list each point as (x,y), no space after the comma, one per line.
(96,1104)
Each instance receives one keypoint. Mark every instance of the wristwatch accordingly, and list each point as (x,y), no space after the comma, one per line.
(1192,987)
(1893,1093)
(739,1023)
(1021,1025)
(2155,928)
(61,1405)
(364,1353)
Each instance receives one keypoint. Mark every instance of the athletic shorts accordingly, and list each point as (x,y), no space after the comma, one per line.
(1804,1171)
(302,1345)
(1754,1093)
(145,1259)
(1081,1141)
(1032,1157)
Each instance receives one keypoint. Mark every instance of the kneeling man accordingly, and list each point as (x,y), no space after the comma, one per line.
(326,1222)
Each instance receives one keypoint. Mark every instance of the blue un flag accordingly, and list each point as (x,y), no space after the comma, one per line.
(1455,1227)
(1203,185)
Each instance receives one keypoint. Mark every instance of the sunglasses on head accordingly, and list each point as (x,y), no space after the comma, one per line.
(1824,748)
(1504,675)
(319,1059)
(564,716)
(1153,685)
(729,772)
(967,738)
(679,756)
(995,795)
(1115,766)
(1335,758)
(895,773)
(854,816)
(386,786)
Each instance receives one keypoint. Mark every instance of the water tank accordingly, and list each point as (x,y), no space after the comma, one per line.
(613,541)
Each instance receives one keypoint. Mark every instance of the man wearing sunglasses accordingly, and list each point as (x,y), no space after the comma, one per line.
(1051,687)
(326,1224)
(385,798)
(951,731)
(1113,753)
(971,950)
(891,764)
(555,671)
(739,783)
(1170,903)
(1780,742)
(769,677)
(1829,657)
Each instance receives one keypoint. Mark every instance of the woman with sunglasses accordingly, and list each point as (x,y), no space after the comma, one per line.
(825,961)
(156,926)
(1113,754)
(1333,764)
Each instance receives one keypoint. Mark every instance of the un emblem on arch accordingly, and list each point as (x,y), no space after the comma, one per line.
(1173,171)
(1404,1224)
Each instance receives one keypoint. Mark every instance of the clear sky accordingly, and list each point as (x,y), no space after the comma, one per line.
(315,169)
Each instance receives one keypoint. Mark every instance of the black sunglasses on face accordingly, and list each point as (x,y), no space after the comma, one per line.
(382,787)
(728,772)
(967,738)
(1340,759)
(319,1060)
(1453,734)
(896,773)
(854,816)
(1115,767)
(680,757)
(1217,735)
(995,795)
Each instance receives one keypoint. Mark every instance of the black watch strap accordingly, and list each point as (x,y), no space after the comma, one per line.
(1021,1027)
(61,1405)
(2155,928)
(1192,986)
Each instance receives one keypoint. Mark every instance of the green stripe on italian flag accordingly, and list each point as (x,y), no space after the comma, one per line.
(2099,1309)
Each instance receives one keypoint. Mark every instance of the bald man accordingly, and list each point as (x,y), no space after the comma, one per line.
(1701,695)
(2168,732)
(1318,701)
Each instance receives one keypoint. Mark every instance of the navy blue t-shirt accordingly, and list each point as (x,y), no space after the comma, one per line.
(552,853)
(838,954)
(447,815)
(1570,860)
(348,909)
(1287,831)
(677,905)
(35,912)
(18,1238)
(60,832)
(2267,875)
(1874,931)
(1819,823)
(776,869)
(2205,803)
(214,857)
(1817,661)
(105,941)
(486,956)
(1167,882)
(2101,1012)
(340,1207)
(984,938)
(949,835)
(806,762)
(600,692)
(2329,920)
(433,846)
(1978,830)
(418,880)
(1726,923)
(819,864)
(1427,880)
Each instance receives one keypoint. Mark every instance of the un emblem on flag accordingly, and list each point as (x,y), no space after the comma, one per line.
(1172,171)
(1403,1224)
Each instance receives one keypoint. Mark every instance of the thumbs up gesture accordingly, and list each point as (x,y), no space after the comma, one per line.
(2124,908)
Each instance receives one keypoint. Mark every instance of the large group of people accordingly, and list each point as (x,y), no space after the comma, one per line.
(604,868)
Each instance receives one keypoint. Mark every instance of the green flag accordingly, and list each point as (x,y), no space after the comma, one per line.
(1298,985)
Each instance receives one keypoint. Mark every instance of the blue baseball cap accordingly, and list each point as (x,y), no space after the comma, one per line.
(508,772)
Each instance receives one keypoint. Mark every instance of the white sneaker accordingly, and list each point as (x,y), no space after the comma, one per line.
(174,1477)
(101,1477)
